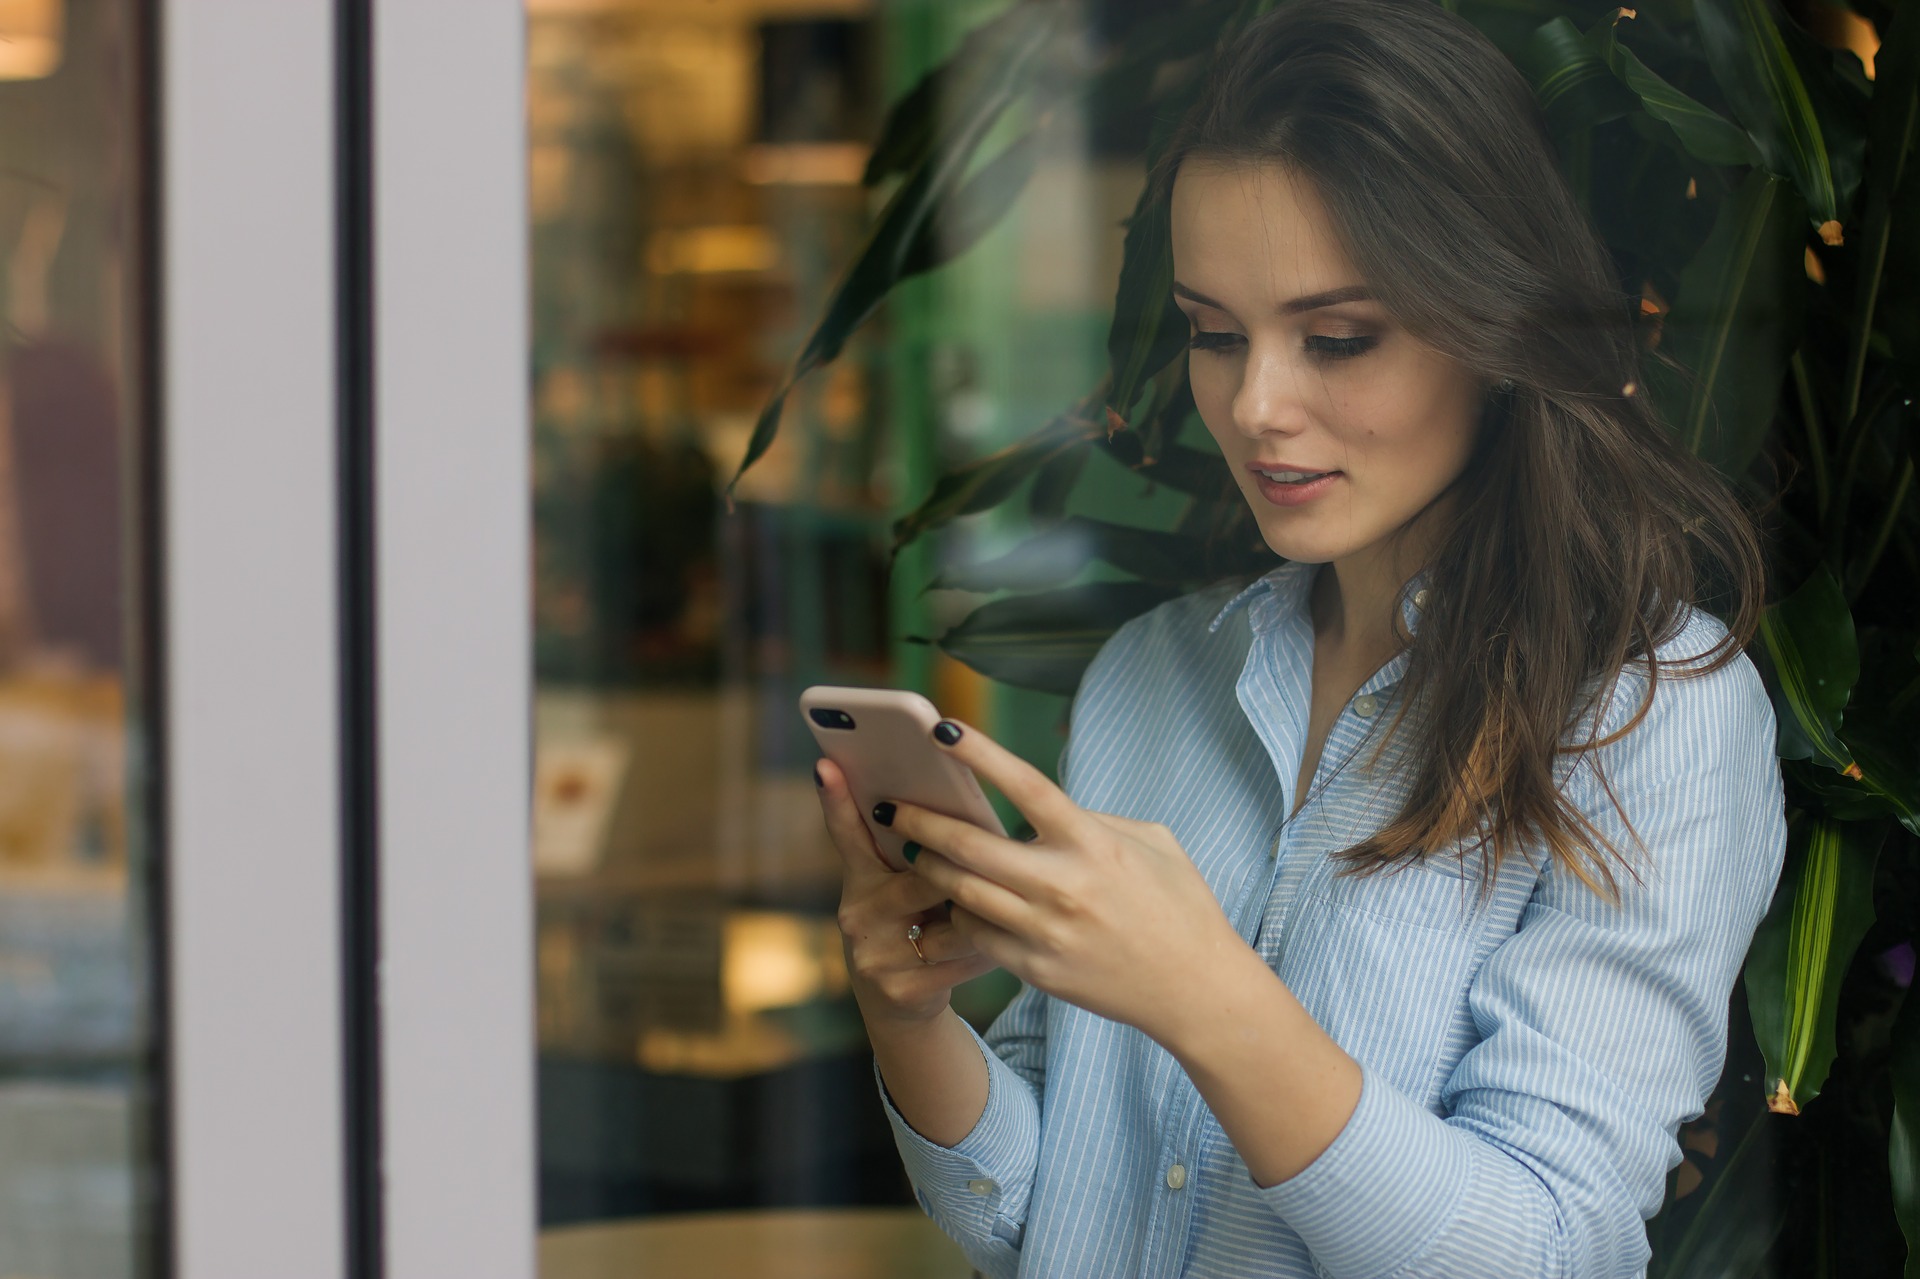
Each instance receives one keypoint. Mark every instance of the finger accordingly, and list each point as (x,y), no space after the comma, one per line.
(1004,947)
(942,943)
(1013,865)
(974,893)
(1031,791)
(849,830)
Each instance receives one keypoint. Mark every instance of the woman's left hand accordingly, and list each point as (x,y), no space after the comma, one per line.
(1107,913)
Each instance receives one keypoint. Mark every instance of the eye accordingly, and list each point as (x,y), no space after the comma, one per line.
(1332,348)
(1213,340)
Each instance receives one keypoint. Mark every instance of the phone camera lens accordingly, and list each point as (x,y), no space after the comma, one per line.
(828,718)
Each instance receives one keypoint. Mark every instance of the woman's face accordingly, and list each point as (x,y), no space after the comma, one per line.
(1294,368)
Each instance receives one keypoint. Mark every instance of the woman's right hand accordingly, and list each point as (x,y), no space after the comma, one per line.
(893,985)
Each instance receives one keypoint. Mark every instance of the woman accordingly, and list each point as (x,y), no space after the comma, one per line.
(1435,1007)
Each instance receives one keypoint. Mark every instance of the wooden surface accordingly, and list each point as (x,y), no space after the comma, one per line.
(813,1243)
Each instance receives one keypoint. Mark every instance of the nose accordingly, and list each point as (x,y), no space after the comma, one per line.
(1270,399)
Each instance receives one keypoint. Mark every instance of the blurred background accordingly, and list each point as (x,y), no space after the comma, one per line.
(695,191)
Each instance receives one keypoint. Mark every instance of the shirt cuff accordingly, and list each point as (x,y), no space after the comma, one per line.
(978,1187)
(1383,1191)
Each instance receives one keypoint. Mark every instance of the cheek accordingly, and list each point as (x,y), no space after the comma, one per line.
(1416,424)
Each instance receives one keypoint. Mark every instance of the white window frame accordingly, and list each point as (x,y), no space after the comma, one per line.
(262,1177)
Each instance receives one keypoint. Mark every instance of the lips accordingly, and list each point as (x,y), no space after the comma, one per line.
(1281,493)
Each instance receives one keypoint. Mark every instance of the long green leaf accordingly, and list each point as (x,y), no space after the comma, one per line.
(1570,78)
(1736,320)
(894,242)
(1702,132)
(1058,554)
(1903,1146)
(1800,954)
(1895,124)
(1814,660)
(975,209)
(1054,485)
(1045,641)
(986,483)
(913,122)
(1148,330)
(1757,72)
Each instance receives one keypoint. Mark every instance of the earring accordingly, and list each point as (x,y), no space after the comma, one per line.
(1505,384)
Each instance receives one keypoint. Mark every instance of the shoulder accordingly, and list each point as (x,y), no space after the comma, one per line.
(1684,700)
(1170,641)
(1165,679)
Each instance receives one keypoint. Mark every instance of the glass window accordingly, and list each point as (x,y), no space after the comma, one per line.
(77,1063)
(1694,254)
(695,194)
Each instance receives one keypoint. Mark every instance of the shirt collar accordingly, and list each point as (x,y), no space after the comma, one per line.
(1284,590)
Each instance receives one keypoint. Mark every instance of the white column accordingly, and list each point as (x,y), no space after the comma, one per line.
(250,752)
(454,661)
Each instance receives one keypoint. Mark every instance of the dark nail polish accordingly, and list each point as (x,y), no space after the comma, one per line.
(817,781)
(883,812)
(946,732)
(911,851)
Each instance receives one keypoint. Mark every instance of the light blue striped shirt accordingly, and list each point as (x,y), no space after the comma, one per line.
(1526,1062)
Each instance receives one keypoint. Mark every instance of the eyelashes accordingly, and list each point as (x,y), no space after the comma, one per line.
(1319,346)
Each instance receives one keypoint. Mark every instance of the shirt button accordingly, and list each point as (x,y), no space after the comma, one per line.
(1365,705)
(982,1186)
(1420,598)
(1176,1177)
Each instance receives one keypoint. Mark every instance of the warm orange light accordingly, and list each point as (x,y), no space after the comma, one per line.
(30,38)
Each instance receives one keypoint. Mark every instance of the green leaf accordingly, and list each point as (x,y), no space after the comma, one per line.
(1045,642)
(1189,471)
(1053,486)
(1702,132)
(986,483)
(1903,1146)
(1148,330)
(1058,554)
(1894,125)
(1735,322)
(893,244)
(1570,78)
(975,209)
(1809,645)
(1801,951)
(1757,72)
(1728,1237)
(912,123)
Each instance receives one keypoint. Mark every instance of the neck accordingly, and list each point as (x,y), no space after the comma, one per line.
(1355,599)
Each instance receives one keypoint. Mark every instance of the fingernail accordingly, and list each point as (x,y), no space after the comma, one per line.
(946,732)
(883,812)
(817,781)
(911,851)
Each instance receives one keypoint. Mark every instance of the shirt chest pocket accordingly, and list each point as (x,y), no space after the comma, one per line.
(1382,962)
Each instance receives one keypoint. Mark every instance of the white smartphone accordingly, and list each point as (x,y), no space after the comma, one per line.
(882,739)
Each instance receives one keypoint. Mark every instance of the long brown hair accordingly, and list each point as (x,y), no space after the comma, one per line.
(1580,531)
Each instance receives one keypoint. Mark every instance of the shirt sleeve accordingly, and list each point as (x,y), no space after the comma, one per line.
(1602,1027)
(978,1190)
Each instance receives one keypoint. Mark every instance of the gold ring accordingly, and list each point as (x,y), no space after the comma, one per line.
(913,936)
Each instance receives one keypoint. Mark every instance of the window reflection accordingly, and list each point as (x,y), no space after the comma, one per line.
(75,1067)
(695,191)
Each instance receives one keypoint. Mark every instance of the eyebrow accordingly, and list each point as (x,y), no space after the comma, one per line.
(1310,302)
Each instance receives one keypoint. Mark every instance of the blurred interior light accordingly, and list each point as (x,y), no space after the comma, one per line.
(818,164)
(775,960)
(30,37)
(704,250)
